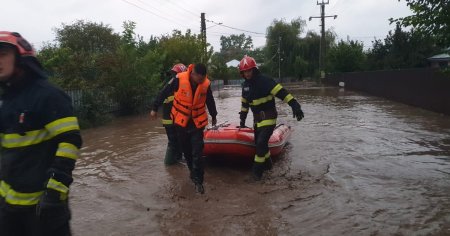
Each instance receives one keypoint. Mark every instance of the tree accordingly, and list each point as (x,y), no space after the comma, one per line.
(346,56)
(431,17)
(72,60)
(401,49)
(376,55)
(219,69)
(235,46)
(133,76)
(184,48)
(310,50)
(299,56)
(87,37)
(289,36)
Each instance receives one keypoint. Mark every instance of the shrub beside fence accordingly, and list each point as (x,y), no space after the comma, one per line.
(96,106)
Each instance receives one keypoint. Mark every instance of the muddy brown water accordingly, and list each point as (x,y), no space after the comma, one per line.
(356,165)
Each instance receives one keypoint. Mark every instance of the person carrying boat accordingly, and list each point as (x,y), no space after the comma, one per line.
(258,92)
(40,142)
(192,95)
(173,151)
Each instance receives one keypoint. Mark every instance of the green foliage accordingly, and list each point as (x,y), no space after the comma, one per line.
(235,46)
(91,111)
(184,48)
(299,55)
(289,36)
(310,51)
(92,58)
(401,49)
(219,69)
(135,80)
(232,47)
(431,17)
(346,56)
(87,37)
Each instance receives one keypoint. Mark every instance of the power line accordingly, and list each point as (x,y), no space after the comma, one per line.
(180,9)
(322,38)
(234,28)
(160,11)
(187,10)
(229,34)
(157,15)
(196,10)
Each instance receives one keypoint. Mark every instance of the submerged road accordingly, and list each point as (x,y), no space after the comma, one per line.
(356,165)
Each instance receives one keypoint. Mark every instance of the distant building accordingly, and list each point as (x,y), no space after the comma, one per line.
(233,63)
(440,60)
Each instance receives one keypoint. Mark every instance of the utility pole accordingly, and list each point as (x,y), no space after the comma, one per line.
(279,59)
(322,38)
(203,34)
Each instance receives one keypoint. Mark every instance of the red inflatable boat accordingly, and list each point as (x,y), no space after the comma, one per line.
(231,141)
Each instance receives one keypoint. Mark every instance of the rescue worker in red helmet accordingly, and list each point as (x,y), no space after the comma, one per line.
(192,95)
(258,94)
(173,151)
(40,140)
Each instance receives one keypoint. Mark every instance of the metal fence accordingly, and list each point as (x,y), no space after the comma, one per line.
(423,87)
(84,98)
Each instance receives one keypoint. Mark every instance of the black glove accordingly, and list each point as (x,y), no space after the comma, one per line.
(214,121)
(53,207)
(243,117)
(297,111)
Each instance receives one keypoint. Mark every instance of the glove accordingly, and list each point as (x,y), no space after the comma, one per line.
(53,207)
(214,121)
(297,111)
(242,117)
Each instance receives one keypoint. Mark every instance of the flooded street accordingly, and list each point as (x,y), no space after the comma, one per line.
(356,165)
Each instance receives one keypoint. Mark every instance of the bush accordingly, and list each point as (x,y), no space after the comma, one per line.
(94,108)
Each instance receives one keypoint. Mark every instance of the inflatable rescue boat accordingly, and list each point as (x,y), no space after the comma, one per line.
(232,141)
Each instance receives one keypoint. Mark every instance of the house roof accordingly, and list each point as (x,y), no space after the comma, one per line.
(232,63)
(440,57)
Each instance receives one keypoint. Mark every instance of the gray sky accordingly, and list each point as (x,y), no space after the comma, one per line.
(359,19)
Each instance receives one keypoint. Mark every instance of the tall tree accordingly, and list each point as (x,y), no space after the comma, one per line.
(184,48)
(346,56)
(285,36)
(235,46)
(85,36)
(431,17)
(299,56)
(401,49)
(310,50)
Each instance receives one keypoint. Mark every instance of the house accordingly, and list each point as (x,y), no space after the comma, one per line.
(440,60)
(233,63)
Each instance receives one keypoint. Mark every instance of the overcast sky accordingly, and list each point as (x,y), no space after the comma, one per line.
(359,19)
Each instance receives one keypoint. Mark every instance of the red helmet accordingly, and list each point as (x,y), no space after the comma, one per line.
(15,39)
(178,68)
(247,63)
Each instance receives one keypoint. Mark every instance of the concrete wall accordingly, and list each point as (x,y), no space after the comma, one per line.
(425,87)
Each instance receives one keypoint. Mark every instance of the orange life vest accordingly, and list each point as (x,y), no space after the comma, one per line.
(187,106)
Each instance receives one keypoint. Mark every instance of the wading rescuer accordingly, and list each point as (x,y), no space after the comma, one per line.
(173,152)
(192,94)
(258,94)
(40,141)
